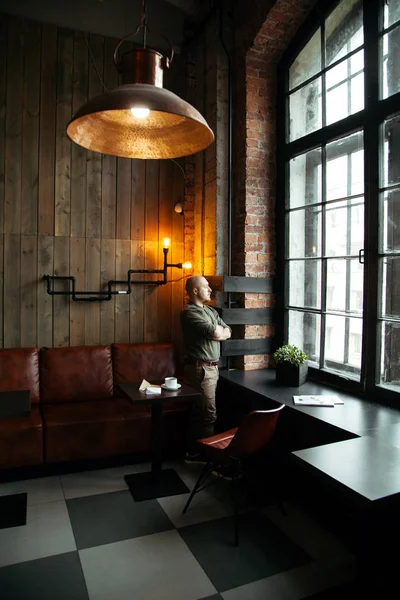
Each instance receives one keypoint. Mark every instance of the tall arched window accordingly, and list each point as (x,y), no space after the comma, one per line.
(339,198)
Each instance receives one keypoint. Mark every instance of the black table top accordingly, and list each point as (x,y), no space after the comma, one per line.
(14,404)
(356,415)
(131,389)
(368,465)
(364,465)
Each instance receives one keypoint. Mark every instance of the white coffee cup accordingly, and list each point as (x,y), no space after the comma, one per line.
(171,382)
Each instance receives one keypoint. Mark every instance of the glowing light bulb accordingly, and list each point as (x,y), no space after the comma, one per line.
(166,242)
(187,265)
(140,113)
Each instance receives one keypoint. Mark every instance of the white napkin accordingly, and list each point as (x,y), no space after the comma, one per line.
(153,389)
(145,384)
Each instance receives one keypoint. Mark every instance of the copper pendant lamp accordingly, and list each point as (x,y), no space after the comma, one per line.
(140,119)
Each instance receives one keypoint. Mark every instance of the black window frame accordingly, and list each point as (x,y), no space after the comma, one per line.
(369,121)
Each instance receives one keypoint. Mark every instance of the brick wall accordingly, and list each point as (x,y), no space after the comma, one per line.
(262,34)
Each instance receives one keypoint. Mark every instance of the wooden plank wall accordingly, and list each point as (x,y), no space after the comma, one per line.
(68,211)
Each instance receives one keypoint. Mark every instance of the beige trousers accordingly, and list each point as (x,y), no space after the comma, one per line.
(203,414)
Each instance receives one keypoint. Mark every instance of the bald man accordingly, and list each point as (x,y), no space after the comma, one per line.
(203,330)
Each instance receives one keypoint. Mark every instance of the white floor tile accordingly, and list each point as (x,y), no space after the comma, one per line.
(154,567)
(90,483)
(47,531)
(204,507)
(41,490)
(294,584)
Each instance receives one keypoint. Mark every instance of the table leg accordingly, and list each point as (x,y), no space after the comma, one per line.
(157,439)
(158,482)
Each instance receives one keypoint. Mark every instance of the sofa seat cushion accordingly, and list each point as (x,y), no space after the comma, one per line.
(91,411)
(95,429)
(75,373)
(134,362)
(21,441)
(19,370)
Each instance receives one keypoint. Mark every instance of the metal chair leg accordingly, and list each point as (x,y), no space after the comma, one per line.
(236,507)
(202,477)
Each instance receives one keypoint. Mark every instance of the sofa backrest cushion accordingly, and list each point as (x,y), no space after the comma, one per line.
(75,373)
(134,362)
(19,370)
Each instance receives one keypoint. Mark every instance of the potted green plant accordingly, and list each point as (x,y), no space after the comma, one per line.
(291,365)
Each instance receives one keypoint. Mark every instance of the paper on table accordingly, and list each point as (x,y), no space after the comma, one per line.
(322,400)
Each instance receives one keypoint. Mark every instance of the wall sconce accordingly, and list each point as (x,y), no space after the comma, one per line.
(104,295)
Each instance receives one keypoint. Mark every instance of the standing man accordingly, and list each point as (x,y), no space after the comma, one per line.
(203,330)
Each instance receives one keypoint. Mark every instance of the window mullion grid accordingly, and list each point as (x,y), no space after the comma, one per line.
(324,260)
(348,263)
(370,355)
(323,207)
(323,76)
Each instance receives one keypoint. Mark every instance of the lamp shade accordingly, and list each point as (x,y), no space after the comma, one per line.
(172,128)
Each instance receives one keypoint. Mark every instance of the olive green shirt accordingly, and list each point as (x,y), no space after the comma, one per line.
(198,326)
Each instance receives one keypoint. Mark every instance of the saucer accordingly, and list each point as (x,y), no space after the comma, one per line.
(170,389)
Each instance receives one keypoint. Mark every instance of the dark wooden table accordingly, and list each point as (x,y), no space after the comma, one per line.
(15,404)
(158,482)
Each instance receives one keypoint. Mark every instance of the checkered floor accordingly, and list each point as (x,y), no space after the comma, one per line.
(85,538)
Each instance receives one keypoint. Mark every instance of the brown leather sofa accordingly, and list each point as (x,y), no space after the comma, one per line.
(21,440)
(77,410)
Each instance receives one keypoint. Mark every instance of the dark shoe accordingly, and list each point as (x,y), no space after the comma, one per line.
(223,473)
(193,459)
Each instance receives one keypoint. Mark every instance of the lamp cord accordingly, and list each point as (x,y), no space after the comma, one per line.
(94,64)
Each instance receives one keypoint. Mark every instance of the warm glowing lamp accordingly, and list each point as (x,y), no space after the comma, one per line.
(140,119)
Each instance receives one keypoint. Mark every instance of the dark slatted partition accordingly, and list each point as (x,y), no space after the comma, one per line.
(245,316)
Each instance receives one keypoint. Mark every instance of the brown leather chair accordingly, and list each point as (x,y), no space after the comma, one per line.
(226,452)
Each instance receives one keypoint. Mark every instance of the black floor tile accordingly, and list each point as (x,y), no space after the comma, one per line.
(143,486)
(55,577)
(13,510)
(346,591)
(112,517)
(264,550)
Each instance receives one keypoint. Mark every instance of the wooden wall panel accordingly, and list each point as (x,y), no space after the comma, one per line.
(124,181)
(74,212)
(3,95)
(62,216)
(92,283)
(107,309)
(138,199)
(78,154)
(123,262)
(28,290)
(45,302)
(13,157)
(93,215)
(12,291)
(30,128)
(47,136)
(153,250)
(77,256)
(164,296)
(177,256)
(109,166)
(1,292)
(61,304)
